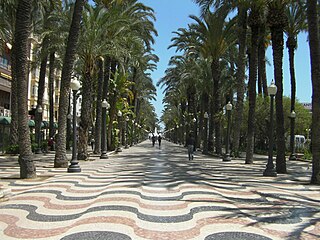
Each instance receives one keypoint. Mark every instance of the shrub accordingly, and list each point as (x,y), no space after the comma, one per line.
(13,149)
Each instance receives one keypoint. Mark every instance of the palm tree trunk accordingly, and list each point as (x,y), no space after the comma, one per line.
(107,74)
(276,19)
(242,38)
(22,33)
(291,45)
(41,84)
(215,68)
(69,136)
(97,133)
(211,127)
(112,99)
(51,94)
(14,102)
(253,67)
(262,75)
(313,27)
(60,156)
(85,121)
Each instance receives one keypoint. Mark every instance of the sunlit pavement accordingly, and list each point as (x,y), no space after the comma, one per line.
(156,193)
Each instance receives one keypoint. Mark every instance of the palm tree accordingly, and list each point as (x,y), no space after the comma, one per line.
(242,8)
(215,36)
(8,17)
(296,24)
(93,28)
(99,92)
(240,75)
(21,35)
(43,69)
(313,27)
(277,21)
(60,156)
(255,21)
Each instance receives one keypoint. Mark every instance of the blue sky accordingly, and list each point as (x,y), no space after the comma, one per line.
(173,14)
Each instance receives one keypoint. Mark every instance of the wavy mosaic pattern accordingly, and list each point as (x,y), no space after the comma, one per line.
(152,193)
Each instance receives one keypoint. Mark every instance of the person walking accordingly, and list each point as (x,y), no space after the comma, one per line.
(190,145)
(153,140)
(92,143)
(159,140)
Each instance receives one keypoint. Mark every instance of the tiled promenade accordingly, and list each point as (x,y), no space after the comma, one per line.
(152,193)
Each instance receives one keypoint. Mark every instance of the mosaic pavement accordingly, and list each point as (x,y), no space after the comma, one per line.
(150,193)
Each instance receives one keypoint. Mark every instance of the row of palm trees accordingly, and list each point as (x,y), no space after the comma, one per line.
(106,44)
(219,49)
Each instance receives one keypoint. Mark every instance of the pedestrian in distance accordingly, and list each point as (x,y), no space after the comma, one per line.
(92,143)
(159,140)
(190,145)
(153,140)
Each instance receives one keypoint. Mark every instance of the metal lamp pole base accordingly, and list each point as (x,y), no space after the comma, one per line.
(119,149)
(226,158)
(74,166)
(270,172)
(293,157)
(104,155)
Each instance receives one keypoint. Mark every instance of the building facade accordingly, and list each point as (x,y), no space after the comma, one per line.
(5,81)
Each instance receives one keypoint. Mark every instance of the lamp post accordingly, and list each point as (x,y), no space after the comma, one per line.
(194,120)
(74,164)
(39,111)
(292,142)
(69,118)
(132,133)
(308,133)
(270,171)
(227,155)
(119,114)
(105,106)
(178,134)
(126,133)
(205,140)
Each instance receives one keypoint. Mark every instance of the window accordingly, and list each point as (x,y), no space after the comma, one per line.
(34,90)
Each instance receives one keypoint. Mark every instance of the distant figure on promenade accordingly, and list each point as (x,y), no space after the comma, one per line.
(51,144)
(190,145)
(153,139)
(92,143)
(159,140)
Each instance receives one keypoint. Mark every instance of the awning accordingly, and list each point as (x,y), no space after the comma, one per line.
(45,124)
(5,120)
(31,123)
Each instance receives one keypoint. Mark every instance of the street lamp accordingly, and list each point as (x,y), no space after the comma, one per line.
(292,138)
(39,111)
(126,132)
(119,114)
(74,164)
(227,155)
(270,171)
(205,140)
(105,106)
(132,133)
(69,118)
(308,133)
(194,120)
